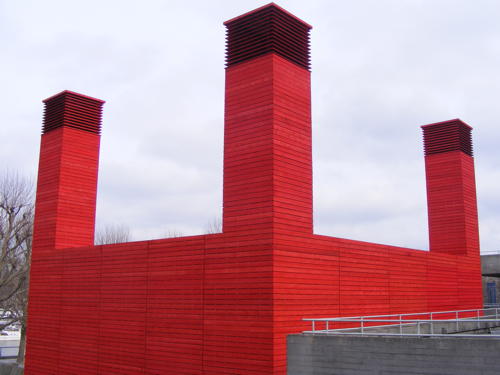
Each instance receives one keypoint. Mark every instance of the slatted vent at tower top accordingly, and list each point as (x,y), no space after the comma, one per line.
(73,110)
(453,135)
(267,29)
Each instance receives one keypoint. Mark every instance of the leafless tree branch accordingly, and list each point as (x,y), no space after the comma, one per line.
(110,234)
(16,226)
(214,226)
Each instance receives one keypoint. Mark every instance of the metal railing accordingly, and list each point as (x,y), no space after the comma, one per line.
(409,322)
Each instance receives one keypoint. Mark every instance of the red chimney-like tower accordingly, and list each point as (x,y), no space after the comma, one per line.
(64,218)
(451,188)
(267,139)
(67,173)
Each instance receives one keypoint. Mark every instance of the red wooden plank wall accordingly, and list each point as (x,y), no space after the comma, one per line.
(267,146)
(224,303)
(322,276)
(451,193)
(66,193)
(221,304)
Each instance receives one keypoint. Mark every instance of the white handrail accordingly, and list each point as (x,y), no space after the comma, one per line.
(474,315)
(395,315)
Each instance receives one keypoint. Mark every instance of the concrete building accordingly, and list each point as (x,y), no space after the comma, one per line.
(490,269)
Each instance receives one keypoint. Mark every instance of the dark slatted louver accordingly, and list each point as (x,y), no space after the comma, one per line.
(264,30)
(452,135)
(73,110)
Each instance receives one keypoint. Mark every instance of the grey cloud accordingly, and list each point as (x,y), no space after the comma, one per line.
(380,70)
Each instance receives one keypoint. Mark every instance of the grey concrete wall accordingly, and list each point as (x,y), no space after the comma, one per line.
(11,369)
(8,347)
(490,265)
(354,355)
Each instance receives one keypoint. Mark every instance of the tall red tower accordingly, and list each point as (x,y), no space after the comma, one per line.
(267,139)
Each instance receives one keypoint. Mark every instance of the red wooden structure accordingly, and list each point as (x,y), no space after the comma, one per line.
(224,303)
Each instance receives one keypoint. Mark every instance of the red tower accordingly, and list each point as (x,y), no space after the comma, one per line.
(67,174)
(451,188)
(65,214)
(267,139)
(223,303)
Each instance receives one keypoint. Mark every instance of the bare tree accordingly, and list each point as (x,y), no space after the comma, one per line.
(214,226)
(112,234)
(173,233)
(16,229)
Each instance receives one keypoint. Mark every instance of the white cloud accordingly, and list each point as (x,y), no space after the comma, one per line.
(380,70)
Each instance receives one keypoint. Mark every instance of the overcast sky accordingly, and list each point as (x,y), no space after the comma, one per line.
(380,69)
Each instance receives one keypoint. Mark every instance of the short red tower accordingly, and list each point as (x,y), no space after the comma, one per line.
(451,188)
(67,173)
(64,218)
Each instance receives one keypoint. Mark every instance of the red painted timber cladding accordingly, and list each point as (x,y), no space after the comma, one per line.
(451,197)
(44,312)
(267,140)
(66,190)
(323,276)
(224,303)
(221,304)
